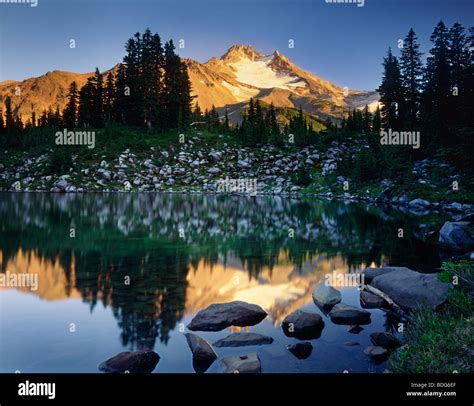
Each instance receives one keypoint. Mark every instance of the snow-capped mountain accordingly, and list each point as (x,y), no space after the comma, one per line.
(225,82)
(242,72)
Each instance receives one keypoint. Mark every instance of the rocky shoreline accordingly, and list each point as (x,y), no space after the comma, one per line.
(401,290)
(194,167)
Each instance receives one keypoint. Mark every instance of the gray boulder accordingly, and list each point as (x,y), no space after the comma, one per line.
(457,235)
(217,317)
(410,289)
(243,364)
(370,301)
(345,314)
(326,296)
(371,273)
(141,361)
(243,339)
(203,353)
(303,325)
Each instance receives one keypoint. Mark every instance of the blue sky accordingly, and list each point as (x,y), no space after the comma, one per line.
(342,43)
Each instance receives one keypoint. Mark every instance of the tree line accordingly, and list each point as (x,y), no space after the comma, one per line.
(150,89)
(437,97)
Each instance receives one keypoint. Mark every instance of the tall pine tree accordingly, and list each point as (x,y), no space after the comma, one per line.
(411,68)
(391,93)
(70,111)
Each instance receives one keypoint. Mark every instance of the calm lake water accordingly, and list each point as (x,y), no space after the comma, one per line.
(181,253)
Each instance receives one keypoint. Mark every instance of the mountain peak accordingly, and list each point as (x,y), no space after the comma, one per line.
(239,51)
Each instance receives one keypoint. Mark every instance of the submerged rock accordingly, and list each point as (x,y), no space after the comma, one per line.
(351,343)
(355,329)
(376,353)
(386,340)
(457,235)
(303,325)
(410,289)
(203,353)
(141,361)
(219,316)
(345,314)
(243,339)
(326,296)
(301,350)
(243,364)
(370,301)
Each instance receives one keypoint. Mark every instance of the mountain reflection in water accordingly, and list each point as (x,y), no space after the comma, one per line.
(181,253)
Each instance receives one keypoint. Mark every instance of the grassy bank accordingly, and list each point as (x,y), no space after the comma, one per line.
(442,341)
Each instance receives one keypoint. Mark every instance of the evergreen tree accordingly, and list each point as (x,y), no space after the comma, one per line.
(260,132)
(412,76)
(377,121)
(437,93)
(367,120)
(18,126)
(2,123)
(33,117)
(226,120)
(197,114)
(97,107)
(85,104)
(391,93)
(459,59)
(152,64)
(109,98)
(50,122)
(70,111)
(58,120)
(43,121)
(135,109)
(458,55)
(466,94)
(272,125)
(9,119)
(121,97)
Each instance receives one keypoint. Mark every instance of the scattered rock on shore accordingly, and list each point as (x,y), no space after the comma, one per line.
(410,289)
(217,317)
(457,235)
(141,361)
